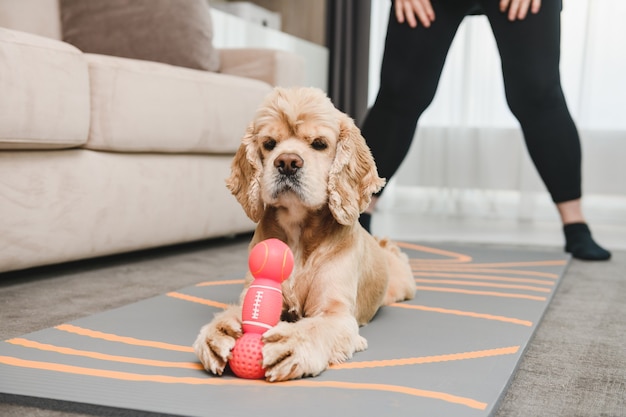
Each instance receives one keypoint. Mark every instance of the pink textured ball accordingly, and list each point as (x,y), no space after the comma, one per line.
(247,357)
(272,259)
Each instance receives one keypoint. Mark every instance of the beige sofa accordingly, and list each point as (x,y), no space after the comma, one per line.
(101,154)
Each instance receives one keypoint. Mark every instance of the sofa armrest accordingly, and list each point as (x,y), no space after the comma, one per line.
(275,67)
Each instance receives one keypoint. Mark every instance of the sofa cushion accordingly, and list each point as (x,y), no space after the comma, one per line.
(59,206)
(44,93)
(275,67)
(177,32)
(141,106)
(40,17)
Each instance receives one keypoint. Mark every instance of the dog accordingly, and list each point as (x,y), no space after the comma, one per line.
(304,173)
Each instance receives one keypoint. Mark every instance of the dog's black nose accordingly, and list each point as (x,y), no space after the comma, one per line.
(288,163)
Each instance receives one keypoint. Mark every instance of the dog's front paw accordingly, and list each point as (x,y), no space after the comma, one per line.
(215,341)
(287,354)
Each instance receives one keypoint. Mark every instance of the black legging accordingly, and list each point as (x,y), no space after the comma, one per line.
(530,54)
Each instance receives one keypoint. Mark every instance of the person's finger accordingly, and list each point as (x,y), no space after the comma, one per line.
(404,12)
(399,11)
(409,14)
(424,11)
(535,7)
(514,10)
(504,5)
(518,9)
(413,10)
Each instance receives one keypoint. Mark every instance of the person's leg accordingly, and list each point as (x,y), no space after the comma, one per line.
(410,71)
(578,239)
(530,54)
(570,211)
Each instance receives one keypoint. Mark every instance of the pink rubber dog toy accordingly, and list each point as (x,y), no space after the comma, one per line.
(270,263)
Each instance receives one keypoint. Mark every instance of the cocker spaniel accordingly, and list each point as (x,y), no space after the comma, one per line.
(304,173)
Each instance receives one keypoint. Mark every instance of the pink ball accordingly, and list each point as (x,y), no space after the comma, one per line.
(247,356)
(272,259)
(262,306)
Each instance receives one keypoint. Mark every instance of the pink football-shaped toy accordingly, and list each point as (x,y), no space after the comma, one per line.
(270,262)
(272,259)
(247,356)
(262,306)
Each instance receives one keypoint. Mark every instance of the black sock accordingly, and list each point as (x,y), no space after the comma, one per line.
(365,220)
(580,244)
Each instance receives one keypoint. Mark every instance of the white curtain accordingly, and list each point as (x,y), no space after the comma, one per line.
(468,139)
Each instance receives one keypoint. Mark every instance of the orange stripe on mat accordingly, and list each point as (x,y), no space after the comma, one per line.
(165,379)
(486,293)
(482,284)
(423,264)
(226,282)
(121,339)
(464,313)
(553,262)
(428,359)
(197,300)
(102,356)
(453,257)
(485,277)
(428,268)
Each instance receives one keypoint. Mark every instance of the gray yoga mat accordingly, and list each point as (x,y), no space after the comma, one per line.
(449,352)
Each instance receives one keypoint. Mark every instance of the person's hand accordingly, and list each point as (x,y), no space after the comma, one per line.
(518,9)
(409,10)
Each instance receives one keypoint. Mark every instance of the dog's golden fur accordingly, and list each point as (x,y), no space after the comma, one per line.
(304,173)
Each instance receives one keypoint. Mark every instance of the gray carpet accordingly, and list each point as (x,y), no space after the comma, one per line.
(575,366)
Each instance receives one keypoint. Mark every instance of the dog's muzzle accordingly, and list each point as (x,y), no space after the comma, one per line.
(288,167)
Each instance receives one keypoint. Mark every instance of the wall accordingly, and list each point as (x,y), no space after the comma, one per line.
(305,19)
(232,32)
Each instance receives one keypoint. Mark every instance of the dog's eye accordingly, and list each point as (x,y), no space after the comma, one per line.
(269,144)
(319,144)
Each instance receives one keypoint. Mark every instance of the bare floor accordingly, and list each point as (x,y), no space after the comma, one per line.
(492,217)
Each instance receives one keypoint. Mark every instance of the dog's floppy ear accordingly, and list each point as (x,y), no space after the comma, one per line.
(353,176)
(245,177)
